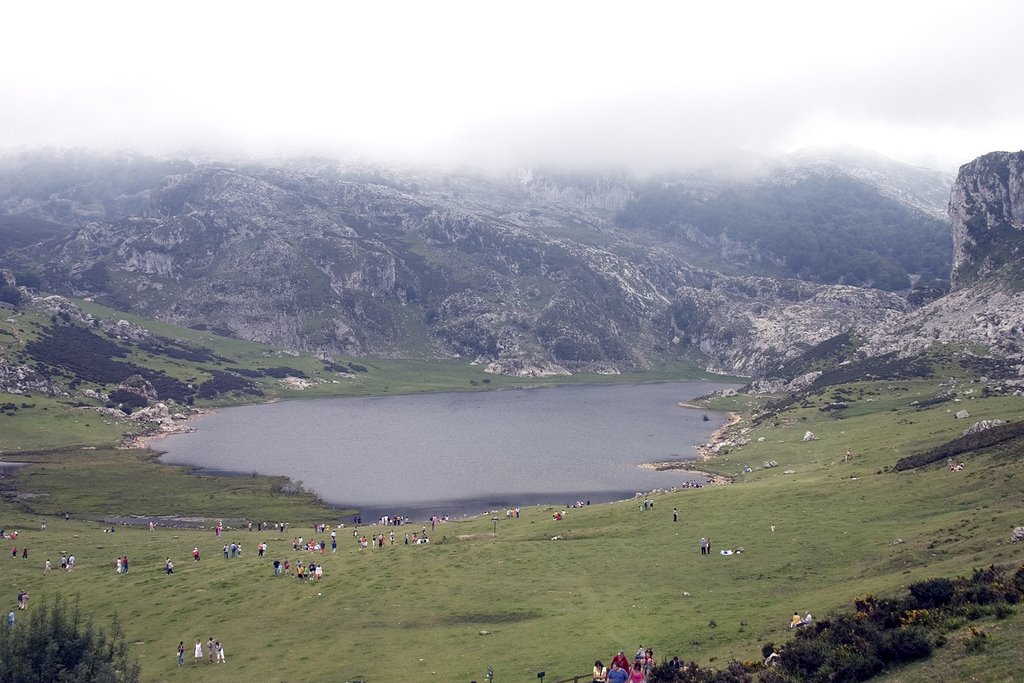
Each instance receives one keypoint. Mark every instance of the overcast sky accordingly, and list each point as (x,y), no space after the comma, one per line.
(495,83)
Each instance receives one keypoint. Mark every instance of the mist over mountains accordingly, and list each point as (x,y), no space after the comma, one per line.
(532,271)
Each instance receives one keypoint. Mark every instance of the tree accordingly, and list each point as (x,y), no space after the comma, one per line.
(11,295)
(56,643)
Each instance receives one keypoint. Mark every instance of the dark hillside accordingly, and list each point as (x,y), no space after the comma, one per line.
(831,230)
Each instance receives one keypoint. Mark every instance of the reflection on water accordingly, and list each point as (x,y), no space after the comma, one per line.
(460,453)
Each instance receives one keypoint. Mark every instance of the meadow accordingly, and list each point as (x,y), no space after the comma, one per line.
(532,594)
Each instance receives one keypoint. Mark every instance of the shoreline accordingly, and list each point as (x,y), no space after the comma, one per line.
(705,451)
(147,441)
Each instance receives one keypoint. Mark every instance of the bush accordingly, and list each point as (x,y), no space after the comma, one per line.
(57,643)
(933,592)
(904,645)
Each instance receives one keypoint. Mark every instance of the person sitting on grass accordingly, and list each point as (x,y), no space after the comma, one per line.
(796,621)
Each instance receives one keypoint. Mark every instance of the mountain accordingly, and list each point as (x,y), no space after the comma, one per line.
(538,271)
(838,218)
(986,305)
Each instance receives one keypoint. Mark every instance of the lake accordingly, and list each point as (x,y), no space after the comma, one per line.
(460,453)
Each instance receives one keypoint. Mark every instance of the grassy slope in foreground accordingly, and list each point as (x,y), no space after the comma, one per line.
(616,577)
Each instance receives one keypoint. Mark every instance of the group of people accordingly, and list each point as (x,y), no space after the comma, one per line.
(621,670)
(214,649)
(797,621)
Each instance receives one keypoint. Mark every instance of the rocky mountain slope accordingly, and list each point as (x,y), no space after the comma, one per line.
(986,306)
(529,273)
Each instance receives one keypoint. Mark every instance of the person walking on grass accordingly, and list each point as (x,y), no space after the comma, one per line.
(181,652)
(209,649)
(220,652)
(199,650)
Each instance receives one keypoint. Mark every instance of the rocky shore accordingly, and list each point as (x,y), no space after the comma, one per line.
(707,451)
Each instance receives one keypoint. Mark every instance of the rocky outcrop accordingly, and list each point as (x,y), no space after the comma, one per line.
(26,381)
(528,274)
(986,306)
(986,207)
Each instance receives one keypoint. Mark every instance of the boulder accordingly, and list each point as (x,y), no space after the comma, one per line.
(809,436)
(961,415)
(982,426)
(1018,535)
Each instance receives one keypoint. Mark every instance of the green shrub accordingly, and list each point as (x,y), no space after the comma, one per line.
(932,592)
(57,643)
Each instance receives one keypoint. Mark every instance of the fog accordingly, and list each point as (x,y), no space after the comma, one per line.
(644,85)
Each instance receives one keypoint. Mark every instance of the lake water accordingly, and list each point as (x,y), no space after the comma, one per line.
(460,453)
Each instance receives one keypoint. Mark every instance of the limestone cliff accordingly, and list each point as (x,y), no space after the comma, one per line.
(986,208)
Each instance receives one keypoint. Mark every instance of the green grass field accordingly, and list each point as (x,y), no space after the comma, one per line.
(815,532)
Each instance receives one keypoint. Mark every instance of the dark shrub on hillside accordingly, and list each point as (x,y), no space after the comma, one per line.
(86,356)
(282,372)
(55,642)
(964,444)
(162,346)
(10,295)
(128,399)
(246,372)
(933,401)
(803,657)
(904,645)
(932,592)
(225,383)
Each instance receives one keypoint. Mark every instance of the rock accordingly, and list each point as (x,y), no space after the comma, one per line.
(140,386)
(809,436)
(961,415)
(982,426)
(1018,535)
(986,208)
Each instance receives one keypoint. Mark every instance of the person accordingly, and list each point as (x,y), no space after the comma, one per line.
(117,565)
(709,545)
(21,599)
(10,619)
(220,651)
(703,546)
(209,649)
(24,600)
(199,649)
(195,553)
(620,658)
(636,674)
(600,672)
(24,553)
(675,514)
(46,567)
(181,652)
(848,455)
(807,619)
(617,673)
(796,620)
(169,566)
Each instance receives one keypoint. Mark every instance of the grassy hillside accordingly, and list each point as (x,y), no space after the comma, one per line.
(534,594)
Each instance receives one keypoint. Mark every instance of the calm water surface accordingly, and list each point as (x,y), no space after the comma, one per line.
(460,453)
